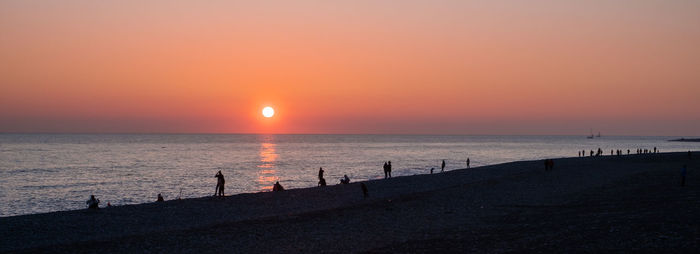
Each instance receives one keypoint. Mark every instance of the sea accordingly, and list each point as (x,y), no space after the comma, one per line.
(54,172)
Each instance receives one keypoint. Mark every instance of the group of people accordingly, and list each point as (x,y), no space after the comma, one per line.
(599,152)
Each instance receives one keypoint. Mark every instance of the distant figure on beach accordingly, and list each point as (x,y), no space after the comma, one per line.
(467,162)
(321,180)
(443,166)
(345,179)
(92,203)
(277,187)
(364,190)
(628,151)
(431,170)
(386,171)
(160,198)
(388,167)
(591,153)
(654,149)
(683,172)
(579,153)
(220,181)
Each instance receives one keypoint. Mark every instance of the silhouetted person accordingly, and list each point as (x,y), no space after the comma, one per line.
(591,153)
(579,153)
(220,182)
(364,190)
(388,167)
(92,203)
(386,171)
(683,172)
(345,179)
(628,151)
(467,162)
(320,173)
(277,187)
(654,149)
(431,170)
(160,198)
(322,182)
(442,167)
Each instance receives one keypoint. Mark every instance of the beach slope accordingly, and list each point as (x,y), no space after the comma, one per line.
(592,204)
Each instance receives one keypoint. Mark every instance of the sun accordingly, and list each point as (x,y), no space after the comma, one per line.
(268,112)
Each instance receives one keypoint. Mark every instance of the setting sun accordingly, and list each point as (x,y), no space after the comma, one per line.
(268,112)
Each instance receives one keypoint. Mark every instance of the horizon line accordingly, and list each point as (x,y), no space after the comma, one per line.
(348,134)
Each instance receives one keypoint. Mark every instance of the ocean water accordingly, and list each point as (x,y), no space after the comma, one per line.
(53,172)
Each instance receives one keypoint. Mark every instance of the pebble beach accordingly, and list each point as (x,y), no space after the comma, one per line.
(591,204)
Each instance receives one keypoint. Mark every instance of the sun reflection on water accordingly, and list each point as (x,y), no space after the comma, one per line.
(267,174)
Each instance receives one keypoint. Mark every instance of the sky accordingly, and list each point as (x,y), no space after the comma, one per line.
(358,67)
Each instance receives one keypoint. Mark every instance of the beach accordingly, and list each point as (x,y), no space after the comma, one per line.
(591,204)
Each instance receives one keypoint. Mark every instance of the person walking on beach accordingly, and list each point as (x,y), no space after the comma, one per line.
(388,168)
(220,181)
(321,180)
(683,172)
(467,162)
(443,166)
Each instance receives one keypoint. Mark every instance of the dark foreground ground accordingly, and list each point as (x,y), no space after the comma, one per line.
(609,204)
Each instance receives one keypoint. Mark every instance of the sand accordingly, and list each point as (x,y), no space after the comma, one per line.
(610,203)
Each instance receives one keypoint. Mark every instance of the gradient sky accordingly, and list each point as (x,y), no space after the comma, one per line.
(420,67)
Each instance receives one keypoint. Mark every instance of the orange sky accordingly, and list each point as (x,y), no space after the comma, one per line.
(434,67)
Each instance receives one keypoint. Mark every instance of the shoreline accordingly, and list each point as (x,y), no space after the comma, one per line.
(685,140)
(441,204)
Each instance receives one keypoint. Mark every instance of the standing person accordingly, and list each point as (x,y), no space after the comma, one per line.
(386,171)
(443,166)
(220,181)
(467,162)
(388,167)
(683,172)
(320,173)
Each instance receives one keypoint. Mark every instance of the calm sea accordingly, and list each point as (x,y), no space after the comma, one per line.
(53,172)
